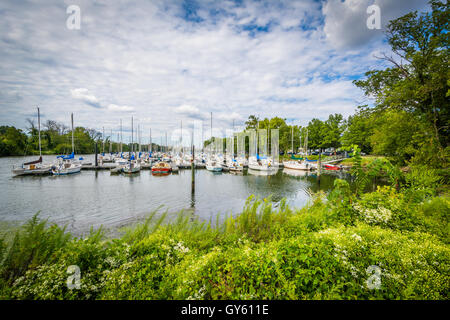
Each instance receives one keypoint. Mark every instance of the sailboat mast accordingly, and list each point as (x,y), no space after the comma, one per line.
(300,144)
(132,132)
(39,129)
(306,142)
(71,117)
(110,143)
(139,136)
(121,137)
(292,139)
(150,140)
(103,142)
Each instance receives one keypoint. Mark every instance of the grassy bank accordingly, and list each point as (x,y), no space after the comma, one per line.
(322,251)
(366,160)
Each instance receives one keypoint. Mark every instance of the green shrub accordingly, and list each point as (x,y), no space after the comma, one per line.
(33,245)
(321,251)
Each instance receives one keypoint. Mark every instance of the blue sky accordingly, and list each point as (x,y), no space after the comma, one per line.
(169,61)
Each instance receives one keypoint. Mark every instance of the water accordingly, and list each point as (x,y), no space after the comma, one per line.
(95,198)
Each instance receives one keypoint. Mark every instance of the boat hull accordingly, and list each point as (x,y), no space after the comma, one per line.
(160,170)
(262,167)
(213,168)
(66,171)
(297,166)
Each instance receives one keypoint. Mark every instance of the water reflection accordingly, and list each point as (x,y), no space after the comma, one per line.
(94,198)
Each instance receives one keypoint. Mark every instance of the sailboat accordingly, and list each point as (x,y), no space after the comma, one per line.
(213,163)
(133,165)
(34,167)
(296,163)
(261,163)
(232,163)
(66,164)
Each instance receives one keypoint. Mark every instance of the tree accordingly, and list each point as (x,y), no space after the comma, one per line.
(334,127)
(252,122)
(417,81)
(13,141)
(359,129)
(316,134)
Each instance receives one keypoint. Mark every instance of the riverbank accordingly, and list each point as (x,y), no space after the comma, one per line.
(386,244)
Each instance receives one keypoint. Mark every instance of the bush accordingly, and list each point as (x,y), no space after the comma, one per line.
(322,251)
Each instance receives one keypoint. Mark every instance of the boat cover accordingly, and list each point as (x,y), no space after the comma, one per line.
(33,162)
(64,157)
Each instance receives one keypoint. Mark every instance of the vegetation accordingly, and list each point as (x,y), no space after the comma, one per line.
(326,250)
(322,251)
(56,138)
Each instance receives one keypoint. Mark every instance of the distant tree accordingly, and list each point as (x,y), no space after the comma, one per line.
(334,126)
(359,129)
(13,142)
(252,122)
(317,134)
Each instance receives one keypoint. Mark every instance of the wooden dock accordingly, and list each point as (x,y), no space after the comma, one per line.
(144,166)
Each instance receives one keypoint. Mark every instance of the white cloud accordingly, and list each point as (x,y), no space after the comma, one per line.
(263,58)
(345,21)
(114,107)
(83,94)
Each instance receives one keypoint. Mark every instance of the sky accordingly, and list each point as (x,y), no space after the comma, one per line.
(167,62)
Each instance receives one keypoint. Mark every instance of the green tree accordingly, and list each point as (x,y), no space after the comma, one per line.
(13,142)
(359,129)
(417,81)
(334,126)
(316,134)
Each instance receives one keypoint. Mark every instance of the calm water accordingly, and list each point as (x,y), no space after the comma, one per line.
(97,198)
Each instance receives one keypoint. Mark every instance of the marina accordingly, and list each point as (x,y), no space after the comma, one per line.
(99,198)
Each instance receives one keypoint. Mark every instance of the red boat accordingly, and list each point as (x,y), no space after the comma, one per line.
(331,167)
(161,167)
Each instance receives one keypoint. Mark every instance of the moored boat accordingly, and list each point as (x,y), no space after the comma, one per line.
(36,167)
(161,167)
(213,165)
(132,166)
(332,167)
(297,165)
(66,166)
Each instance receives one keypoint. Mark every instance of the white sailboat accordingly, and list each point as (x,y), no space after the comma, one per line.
(133,165)
(35,167)
(296,164)
(265,163)
(232,163)
(66,164)
(213,165)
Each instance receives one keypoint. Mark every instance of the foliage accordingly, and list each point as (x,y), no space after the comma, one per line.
(359,129)
(12,141)
(415,87)
(321,251)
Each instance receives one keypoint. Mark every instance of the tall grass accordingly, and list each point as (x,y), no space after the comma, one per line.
(33,244)
(267,251)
